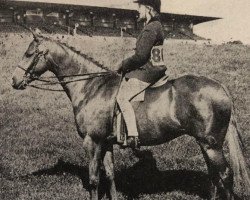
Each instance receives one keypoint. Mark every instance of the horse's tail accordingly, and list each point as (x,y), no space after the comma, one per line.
(237,160)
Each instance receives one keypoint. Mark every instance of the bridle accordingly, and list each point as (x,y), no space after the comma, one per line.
(30,76)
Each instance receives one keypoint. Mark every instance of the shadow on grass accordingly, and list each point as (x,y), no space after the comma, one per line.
(142,178)
(145,178)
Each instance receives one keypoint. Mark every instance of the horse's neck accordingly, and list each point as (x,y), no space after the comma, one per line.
(68,63)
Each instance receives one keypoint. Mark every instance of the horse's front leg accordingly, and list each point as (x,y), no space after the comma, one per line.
(108,162)
(94,152)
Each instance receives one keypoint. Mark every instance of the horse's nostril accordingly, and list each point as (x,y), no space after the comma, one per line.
(14,82)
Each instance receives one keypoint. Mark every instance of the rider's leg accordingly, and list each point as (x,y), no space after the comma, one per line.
(129,116)
(128,89)
(123,97)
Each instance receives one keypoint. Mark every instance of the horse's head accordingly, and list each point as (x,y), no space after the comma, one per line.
(33,64)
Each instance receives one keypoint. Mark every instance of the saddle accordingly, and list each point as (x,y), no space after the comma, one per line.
(119,125)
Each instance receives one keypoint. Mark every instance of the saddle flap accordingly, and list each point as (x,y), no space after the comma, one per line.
(160,82)
(139,97)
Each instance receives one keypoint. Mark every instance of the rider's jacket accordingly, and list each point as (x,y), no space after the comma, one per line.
(139,65)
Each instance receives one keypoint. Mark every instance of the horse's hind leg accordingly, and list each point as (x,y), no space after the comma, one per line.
(108,162)
(220,173)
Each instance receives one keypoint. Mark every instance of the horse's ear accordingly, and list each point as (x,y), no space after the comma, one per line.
(38,31)
(33,33)
(36,34)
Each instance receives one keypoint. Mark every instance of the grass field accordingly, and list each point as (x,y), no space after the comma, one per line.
(41,154)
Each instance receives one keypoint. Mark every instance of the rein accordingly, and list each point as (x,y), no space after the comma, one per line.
(89,76)
(47,82)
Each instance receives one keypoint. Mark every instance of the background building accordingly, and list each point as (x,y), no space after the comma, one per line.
(91,20)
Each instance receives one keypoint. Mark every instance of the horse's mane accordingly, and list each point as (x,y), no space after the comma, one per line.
(87,57)
(78,52)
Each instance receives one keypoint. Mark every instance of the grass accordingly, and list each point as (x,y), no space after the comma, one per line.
(41,154)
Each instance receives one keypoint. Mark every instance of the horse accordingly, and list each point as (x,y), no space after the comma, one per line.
(189,105)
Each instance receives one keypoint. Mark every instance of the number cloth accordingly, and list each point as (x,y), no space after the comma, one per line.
(147,62)
(157,56)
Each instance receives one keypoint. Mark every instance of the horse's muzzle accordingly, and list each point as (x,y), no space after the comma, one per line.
(18,85)
(19,79)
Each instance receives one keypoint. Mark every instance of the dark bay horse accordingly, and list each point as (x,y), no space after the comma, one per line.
(192,105)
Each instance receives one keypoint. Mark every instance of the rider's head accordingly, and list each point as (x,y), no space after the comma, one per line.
(148,8)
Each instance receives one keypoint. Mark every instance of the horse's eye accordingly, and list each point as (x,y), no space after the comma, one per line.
(31,50)
(28,54)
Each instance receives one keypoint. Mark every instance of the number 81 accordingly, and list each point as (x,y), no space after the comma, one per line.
(157,54)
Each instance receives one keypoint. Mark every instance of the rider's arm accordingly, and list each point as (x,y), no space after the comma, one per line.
(142,52)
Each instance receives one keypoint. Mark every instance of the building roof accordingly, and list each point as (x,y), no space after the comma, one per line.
(94,6)
(94,3)
(191,18)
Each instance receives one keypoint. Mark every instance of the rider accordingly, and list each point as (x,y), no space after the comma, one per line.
(141,69)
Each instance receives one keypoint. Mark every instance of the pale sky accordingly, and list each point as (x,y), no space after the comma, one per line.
(235,24)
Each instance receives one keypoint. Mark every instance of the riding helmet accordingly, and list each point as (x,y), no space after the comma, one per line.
(156,4)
